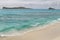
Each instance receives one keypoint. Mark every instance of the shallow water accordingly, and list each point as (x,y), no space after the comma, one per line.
(21,19)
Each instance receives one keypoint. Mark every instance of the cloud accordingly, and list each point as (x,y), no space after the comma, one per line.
(32,3)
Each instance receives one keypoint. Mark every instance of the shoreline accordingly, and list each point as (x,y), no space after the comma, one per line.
(49,32)
(20,33)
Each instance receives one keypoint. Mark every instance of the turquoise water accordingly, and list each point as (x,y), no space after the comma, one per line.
(20,19)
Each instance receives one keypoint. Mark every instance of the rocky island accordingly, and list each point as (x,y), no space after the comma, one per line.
(50,8)
(15,8)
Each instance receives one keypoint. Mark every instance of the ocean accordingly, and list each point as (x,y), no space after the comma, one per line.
(22,19)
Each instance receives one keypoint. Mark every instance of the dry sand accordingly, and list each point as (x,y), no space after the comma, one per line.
(51,32)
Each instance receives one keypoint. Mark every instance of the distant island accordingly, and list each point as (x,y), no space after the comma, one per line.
(50,8)
(15,8)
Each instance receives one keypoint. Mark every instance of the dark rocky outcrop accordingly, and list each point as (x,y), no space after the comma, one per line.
(51,8)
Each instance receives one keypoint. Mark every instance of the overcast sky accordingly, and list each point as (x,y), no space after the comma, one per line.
(32,3)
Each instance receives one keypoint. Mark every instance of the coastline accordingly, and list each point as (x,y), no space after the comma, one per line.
(22,32)
(36,27)
(48,32)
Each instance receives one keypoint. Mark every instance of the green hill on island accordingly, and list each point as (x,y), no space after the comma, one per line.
(15,8)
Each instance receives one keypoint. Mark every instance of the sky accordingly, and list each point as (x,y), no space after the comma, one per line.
(38,4)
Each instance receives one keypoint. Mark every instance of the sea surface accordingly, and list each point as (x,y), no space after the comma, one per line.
(22,19)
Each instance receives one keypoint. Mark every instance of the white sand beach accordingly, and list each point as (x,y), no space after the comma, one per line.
(51,32)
